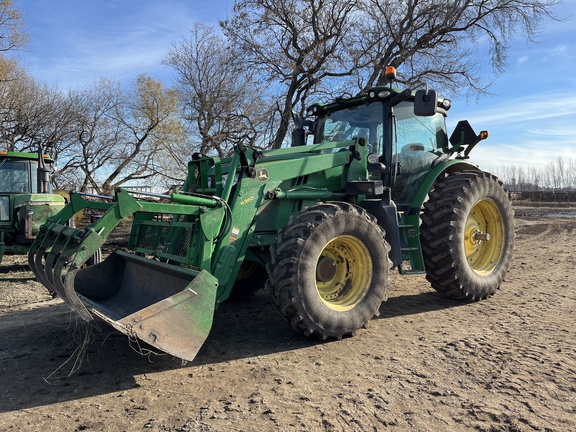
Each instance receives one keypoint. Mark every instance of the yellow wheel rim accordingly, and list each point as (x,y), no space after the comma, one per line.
(343,273)
(484,237)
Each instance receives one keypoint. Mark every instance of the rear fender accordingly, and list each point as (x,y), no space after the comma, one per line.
(441,169)
(412,216)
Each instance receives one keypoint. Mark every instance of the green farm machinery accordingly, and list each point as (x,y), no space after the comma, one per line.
(380,186)
(26,199)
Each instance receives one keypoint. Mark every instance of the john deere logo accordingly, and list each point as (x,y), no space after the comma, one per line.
(262,175)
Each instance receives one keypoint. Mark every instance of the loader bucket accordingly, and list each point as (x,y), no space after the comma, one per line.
(168,307)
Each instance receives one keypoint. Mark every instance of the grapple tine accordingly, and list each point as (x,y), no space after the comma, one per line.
(58,263)
(52,260)
(32,261)
(65,285)
(33,255)
(37,257)
(40,270)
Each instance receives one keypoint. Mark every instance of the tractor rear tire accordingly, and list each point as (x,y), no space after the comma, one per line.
(467,235)
(329,270)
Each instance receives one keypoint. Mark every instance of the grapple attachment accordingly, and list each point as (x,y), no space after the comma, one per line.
(54,254)
(166,305)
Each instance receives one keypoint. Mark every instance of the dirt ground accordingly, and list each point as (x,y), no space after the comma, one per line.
(427,363)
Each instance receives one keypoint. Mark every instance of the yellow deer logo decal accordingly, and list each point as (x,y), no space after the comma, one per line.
(262,175)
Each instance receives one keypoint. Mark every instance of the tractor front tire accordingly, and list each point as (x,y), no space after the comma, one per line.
(329,270)
(467,235)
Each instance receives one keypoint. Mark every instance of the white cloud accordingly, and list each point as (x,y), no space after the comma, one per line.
(529,154)
(526,109)
(522,60)
(567,131)
(525,131)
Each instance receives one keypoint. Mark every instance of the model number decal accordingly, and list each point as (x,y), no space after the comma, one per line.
(247,200)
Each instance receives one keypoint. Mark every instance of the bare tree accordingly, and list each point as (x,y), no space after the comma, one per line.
(12,34)
(119,133)
(560,173)
(31,114)
(571,173)
(13,80)
(551,179)
(446,43)
(295,44)
(219,98)
(534,178)
(301,46)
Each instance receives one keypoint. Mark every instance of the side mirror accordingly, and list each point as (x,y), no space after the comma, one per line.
(425,103)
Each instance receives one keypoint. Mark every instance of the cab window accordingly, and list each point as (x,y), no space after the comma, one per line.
(418,142)
(359,121)
(423,133)
(14,176)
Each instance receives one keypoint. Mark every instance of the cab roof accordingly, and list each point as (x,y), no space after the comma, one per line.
(373,94)
(23,155)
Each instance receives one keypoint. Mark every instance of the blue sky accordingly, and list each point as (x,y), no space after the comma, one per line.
(531,117)
(75,42)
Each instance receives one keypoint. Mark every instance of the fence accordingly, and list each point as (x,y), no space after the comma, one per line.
(544,196)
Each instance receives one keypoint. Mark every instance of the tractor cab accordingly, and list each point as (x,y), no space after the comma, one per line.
(26,199)
(404,139)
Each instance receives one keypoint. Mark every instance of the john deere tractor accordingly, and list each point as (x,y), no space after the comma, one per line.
(26,199)
(370,183)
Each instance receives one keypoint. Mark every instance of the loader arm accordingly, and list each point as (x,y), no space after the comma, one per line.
(186,252)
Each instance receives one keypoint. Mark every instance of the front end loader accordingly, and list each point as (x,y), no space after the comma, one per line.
(379,187)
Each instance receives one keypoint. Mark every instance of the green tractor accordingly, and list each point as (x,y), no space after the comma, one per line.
(381,187)
(26,199)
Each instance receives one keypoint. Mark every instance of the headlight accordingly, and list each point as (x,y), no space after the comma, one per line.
(373,158)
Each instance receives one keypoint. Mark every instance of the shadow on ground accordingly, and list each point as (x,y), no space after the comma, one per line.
(40,346)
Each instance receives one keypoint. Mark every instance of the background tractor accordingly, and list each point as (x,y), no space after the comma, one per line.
(379,186)
(26,199)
